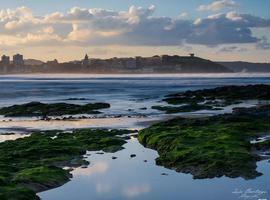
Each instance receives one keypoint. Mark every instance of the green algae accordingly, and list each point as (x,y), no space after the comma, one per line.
(228,93)
(185,108)
(35,163)
(54,109)
(211,146)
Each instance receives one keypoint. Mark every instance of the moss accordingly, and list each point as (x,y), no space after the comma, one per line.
(263,146)
(41,174)
(35,163)
(55,109)
(185,108)
(209,147)
(14,192)
(221,96)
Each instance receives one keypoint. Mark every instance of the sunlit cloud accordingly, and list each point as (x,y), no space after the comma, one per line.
(136,26)
(217,5)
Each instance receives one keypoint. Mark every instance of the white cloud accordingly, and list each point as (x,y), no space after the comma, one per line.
(233,16)
(79,34)
(135,26)
(183,15)
(263,44)
(218,5)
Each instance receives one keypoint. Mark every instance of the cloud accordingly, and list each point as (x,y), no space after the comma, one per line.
(230,49)
(135,26)
(217,5)
(183,15)
(228,28)
(263,44)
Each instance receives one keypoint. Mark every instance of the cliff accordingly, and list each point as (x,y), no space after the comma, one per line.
(239,66)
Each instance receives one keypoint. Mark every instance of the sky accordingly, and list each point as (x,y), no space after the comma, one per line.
(220,30)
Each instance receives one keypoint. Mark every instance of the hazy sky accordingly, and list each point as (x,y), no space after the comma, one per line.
(67,29)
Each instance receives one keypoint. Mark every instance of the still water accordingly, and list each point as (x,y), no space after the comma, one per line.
(133,178)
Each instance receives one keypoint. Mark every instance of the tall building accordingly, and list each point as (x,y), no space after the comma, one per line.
(85,61)
(5,60)
(18,60)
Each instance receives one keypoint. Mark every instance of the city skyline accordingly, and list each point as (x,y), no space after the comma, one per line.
(221,30)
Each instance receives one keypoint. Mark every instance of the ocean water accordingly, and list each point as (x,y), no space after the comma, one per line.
(126,94)
(126,178)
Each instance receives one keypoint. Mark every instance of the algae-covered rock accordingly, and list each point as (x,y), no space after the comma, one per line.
(35,163)
(227,94)
(54,109)
(211,146)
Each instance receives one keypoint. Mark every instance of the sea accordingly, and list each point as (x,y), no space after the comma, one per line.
(131,98)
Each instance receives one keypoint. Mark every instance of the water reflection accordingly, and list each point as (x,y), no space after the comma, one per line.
(136,190)
(132,178)
(123,122)
(12,136)
(98,167)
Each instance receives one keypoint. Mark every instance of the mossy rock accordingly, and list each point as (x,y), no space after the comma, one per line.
(185,108)
(221,96)
(55,109)
(34,164)
(210,147)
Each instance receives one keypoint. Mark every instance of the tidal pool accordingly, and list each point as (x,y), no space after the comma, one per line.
(141,178)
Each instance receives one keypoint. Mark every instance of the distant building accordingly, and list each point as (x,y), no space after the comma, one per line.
(18,60)
(53,62)
(129,63)
(192,55)
(153,61)
(5,60)
(86,61)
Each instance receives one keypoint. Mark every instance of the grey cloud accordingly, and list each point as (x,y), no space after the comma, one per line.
(136,26)
(226,28)
(232,49)
(263,44)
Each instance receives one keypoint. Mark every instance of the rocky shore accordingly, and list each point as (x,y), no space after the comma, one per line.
(213,99)
(54,109)
(216,146)
(36,163)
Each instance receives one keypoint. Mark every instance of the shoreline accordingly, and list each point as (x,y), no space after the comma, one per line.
(155,75)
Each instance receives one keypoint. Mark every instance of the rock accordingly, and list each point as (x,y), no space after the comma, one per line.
(114,157)
(84,166)
(133,155)
(37,109)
